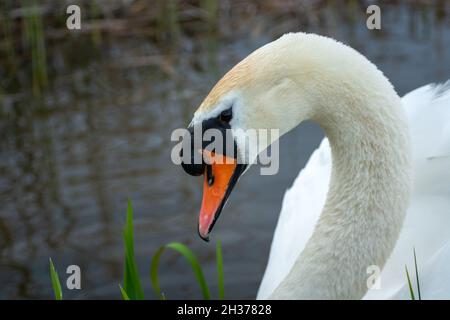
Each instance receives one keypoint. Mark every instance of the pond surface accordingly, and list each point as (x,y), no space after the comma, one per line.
(101,134)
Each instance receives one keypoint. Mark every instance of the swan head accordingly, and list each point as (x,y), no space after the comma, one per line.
(249,108)
(295,78)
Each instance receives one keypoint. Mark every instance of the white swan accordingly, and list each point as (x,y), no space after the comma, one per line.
(330,231)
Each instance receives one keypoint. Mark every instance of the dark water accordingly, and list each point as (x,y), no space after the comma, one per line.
(101,134)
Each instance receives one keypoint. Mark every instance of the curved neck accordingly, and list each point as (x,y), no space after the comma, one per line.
(367,197)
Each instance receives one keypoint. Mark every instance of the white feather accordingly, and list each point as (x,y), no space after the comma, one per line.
(427,221)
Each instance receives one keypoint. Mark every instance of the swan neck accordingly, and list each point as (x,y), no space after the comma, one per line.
(366,201)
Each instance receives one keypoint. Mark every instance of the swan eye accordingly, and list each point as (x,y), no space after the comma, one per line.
(226,116)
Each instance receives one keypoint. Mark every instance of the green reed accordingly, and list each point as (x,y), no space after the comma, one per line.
(411,290)
(132,288)
(55,282)
(8,39)
(35,40)
(168,19)
(132,284)
(211,7)
(131,281)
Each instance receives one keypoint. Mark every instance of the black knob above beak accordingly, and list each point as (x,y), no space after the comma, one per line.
(192,168)
(194,165)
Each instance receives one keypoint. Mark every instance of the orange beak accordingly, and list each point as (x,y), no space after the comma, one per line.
(220,177)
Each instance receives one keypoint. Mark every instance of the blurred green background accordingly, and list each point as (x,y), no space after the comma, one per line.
(86,117)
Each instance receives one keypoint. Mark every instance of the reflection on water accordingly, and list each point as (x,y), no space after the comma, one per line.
(100,134)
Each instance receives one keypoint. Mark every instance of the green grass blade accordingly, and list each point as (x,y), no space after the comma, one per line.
(131,281)
(154,272)
(411,291)
(55,281)
(124,294)
(220,270)
(417,275)
(190,257)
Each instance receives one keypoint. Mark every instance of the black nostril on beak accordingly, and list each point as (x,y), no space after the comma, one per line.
(209,175)
(192,163)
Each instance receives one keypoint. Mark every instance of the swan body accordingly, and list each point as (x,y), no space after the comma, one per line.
(347,208)
(426,223)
